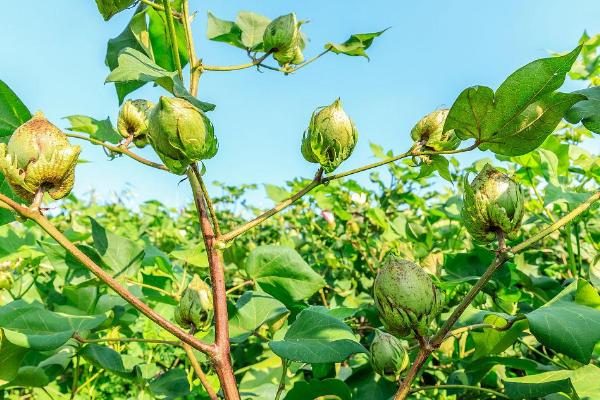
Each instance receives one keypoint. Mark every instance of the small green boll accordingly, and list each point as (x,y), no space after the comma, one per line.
(180,134)
(38,157)
(283,38)
(405,296)
(388,356)
(492,203)
(330,138)
(133,121)
(429,132)
(6,280)
(195,309)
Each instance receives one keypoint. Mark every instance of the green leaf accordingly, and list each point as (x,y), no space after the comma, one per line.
(117,252)
(355,45)
(492,341)
(105,358)
(315,388)
(13,112)
(523,111)
(220,30)
(11,357)
(252,311)
(31,326)
(530,129)
(133,36)
(173,384)
(161,43)
(566,324)
(281,272)
(102,130)
(108,8)
(135,66)
(195,256)
(555,194)
(587,111)
(315,337)
(583,382)
(253,27)
(276,193)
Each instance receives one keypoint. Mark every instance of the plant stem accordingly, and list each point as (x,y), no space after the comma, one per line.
(95,269)
(241,285)
(254,62)
(310,60)
(198,369)
(159,290)
(281,386)
(125,340)
(158,7)
(499,260)
(221,358)
(466,387)
(75,378)
(569,240)
(173,37)
(227,237)
(189,39)
(209,203)
(120,150)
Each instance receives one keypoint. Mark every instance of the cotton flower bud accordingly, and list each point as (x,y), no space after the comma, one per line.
(429,132)
(329,217)
(492,203)
(388,356)
(195,309)
(330,137)
(180,134)
(133,121)
(38,156)
(6,280)
(405,296)
(283,38)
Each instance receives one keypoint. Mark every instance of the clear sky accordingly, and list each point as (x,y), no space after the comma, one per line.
(52,56)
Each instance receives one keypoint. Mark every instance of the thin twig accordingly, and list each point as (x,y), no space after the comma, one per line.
(465,387)
(173,37)
(209,203)
(120,150)
(126,340)
(253,63)
(281,386)
(198,369)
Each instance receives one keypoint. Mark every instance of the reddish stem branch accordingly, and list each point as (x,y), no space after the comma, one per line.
(222,357)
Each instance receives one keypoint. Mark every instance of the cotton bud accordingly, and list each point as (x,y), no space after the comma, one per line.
(283,38)
(388,356)
(429,132)
(405,296)
(38,157)
(180,134)
(330,137)
(492,203)
(6,280)
(195,309)
(133,121)
(329,217)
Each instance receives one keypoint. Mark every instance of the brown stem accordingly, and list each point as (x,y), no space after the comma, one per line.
(198,369)
(95,269)
(221,358)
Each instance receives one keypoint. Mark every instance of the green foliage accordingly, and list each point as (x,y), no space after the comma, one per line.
(300,295)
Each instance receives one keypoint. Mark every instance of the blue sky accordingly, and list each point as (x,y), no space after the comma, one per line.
(53,58)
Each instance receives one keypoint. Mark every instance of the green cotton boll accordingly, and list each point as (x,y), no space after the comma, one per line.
(492,203)
(388,356)
(283,38)
(180,134)
(405,296)
(429,132)
(330,138)
(195,309)
(38,156)
(133,121)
